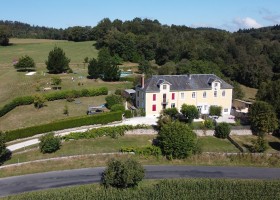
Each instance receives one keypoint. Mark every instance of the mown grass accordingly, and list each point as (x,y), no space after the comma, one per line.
(202,188)
(26,116)
(213,144)
(86,146)
(14,84)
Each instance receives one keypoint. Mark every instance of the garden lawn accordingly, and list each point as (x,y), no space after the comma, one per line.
(87,146)
(26,116)
(213,144)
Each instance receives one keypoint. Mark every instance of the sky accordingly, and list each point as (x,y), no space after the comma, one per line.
(229,15)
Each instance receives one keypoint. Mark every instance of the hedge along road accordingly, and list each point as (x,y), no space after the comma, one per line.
(130,121)
(19,184)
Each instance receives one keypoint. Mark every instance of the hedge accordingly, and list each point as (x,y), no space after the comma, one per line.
(143,151)
(103,118)
(27,100)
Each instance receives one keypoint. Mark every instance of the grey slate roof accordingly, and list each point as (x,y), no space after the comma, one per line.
(184,82)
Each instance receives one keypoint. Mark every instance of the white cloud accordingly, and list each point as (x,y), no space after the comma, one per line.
(247,22)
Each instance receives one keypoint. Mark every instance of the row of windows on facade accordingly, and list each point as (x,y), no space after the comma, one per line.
(205,107)
(193,95)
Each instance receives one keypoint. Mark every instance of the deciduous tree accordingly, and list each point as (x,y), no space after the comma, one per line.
(190,112)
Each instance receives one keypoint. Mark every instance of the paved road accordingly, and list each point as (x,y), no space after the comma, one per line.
(18,184)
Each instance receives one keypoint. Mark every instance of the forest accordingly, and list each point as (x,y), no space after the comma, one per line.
(249,56)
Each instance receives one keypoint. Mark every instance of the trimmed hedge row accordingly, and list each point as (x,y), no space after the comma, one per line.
(113,132)
(103,118)
(27,100)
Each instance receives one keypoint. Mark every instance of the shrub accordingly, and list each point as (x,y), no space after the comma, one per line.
(118,92)
(177,140)
(49,143)
(259,145)
(117,107)
(103,118)
(143,151)
(222,130)
(5,154)
(26,100)
(112,100)
(215,110)
(208,124)
(128,114)
(39,101)
(123,173)
(190,112)
(172,112)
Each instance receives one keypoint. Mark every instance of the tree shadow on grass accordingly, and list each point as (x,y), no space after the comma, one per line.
(275,145)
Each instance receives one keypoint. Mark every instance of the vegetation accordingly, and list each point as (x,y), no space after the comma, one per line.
(49,143)
(190,112)
(123,173)
(143,151)
(25,63)
(262,118)
(113,100)
(104,67)
(117,107)
(64,124)
(222,130)
(39,101)
(56,81)
(5,153)
(172,112)
(113,132)
(259,145)
(188,189)
(215,110)
(57,61)
(177,140)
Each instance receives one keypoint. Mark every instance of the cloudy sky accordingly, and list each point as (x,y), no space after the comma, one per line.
(230,15)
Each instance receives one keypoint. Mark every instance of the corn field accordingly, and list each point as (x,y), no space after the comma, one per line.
(167,189)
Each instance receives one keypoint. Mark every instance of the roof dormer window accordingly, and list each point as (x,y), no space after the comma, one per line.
(164,87)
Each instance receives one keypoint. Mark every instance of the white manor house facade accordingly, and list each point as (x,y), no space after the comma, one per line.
(167,91)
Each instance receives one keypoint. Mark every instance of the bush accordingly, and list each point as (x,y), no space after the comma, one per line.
(215,110)
(39,101)
(103,118)
(49,143)
(123,173)
(128,114)
(259,145)
(190,112)
(5,154)
(222,130)
(117,107)
(208,124)
(143,151)
(112,100)
(177,140)
(172,112)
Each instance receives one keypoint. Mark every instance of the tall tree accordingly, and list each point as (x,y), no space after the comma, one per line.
(4,38)
(57,61)
(25,63)
(94,69)
(190,112)
(262,118)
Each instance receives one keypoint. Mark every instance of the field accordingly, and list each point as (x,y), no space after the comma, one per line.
(14,84)
(250,93)
(167,189)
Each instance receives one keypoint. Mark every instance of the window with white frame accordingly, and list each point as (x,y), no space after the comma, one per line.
(193,95)
(226,110)
(204,94)
(164,87)
(224,93)
(205,107)
(215,94)
(182,95)
(173,105)
(215,84)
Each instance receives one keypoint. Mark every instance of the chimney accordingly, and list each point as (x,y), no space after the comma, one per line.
(142,81)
